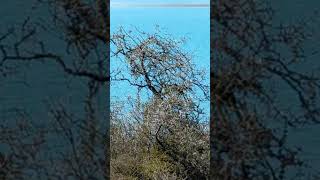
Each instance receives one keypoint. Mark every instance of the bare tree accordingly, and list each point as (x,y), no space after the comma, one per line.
(70,143)
(249,127)
(166,131)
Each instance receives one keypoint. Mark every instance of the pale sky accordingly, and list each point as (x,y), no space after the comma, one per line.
(175,3)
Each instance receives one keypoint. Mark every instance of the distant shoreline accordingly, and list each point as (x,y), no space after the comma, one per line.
(160,5)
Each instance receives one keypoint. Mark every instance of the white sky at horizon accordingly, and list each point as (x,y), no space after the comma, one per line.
(116,3)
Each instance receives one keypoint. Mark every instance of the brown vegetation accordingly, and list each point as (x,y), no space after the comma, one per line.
(164,136)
